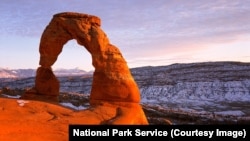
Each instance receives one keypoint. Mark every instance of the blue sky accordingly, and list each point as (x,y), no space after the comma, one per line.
(148,33)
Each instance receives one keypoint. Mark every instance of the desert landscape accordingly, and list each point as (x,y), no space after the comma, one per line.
(150,63)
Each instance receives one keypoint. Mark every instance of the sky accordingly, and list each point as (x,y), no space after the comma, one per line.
(147,32)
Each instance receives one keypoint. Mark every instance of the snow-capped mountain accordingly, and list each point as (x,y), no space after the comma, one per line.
(71,72)
(25,73)
(16,73)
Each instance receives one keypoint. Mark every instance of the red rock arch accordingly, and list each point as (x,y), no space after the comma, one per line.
(112,80)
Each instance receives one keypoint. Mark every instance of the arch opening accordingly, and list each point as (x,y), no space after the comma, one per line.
(74,56)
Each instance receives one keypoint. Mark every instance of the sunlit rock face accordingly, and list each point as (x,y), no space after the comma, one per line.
(112,80)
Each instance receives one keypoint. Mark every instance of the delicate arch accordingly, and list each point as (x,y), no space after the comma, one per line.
(112,80)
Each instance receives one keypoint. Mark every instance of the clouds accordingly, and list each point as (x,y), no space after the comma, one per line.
(143,28)
(160,19)
(186,21)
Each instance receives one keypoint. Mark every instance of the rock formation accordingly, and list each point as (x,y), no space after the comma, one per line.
(112,80)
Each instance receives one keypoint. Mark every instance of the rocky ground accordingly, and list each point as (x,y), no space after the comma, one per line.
(156,115)
(33,121)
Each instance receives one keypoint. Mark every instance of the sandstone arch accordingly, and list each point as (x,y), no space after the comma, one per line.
(112,80)
(114,97)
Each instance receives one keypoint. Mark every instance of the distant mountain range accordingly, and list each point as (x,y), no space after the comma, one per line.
(25,73)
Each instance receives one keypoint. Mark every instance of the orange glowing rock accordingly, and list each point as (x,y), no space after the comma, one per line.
(113,90)
(30,120)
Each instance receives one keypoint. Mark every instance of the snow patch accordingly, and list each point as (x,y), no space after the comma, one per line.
(10,96)
(22,102)
(70,105)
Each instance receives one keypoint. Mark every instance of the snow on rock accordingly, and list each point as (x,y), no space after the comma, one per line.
(10,96)
(22,102)
(70,105)
(214,91)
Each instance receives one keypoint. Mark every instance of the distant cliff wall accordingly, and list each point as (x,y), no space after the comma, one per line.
(211,80)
